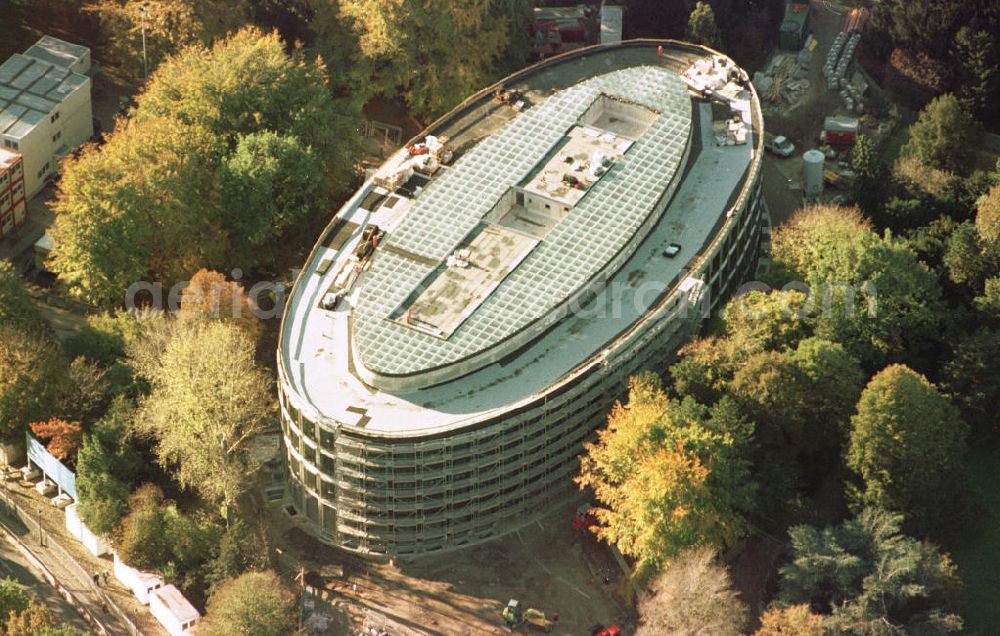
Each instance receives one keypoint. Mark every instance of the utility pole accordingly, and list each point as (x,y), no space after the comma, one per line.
(142,22)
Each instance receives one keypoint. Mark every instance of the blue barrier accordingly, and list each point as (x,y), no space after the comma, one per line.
(52,467)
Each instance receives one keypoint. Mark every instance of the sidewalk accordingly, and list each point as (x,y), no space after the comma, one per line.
(77,577)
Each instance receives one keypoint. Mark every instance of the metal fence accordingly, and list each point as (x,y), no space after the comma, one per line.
(9,510)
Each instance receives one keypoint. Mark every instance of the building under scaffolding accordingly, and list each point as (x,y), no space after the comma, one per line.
(438,382)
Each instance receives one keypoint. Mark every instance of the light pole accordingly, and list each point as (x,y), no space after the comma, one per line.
(142,22)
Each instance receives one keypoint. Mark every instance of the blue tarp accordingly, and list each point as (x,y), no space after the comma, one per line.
(54,469)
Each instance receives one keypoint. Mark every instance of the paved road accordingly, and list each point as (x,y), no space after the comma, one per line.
(15,566)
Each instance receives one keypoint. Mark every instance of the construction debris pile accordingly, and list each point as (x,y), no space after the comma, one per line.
(840,57)
(784,83)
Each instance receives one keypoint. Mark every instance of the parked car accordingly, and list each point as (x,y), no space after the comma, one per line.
(779,146)
(30,473)
(672,250)
(45,487)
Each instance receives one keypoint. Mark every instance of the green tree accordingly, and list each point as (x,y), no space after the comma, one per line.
(988,217)
(433,54)
(270,182)
(668,475)
(972,379)
(772,320)
(966,258)
(870,578)
(107,467)
(102,340)
(692,595)
(168,26)
(242,548)
(248,83)
(253,604)
(31,374)
(702,28)
(203,415)
(14,599)
(17,307)
(906,445)
(976,53)
(141,538)
(868,292)
(943,136)
(143,204)
(869,189)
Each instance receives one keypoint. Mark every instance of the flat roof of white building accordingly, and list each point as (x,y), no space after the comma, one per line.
(606,212)
(176,604)
(35,83)
(678,156)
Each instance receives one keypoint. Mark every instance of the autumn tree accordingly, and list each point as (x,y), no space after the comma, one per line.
(791,620)
(203,413)
(866,575)
(668,475)
(142,205)
(31,374)
(943,135)
(62,438)
(37,620)
(209,296)
(702,28)
(906,446)
(243,119)
(168,26)
(433,54)
(692,595)
(254,604)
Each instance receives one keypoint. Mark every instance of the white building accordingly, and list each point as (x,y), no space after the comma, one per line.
(439,376)
(141,583)
(174,612)
(45,108)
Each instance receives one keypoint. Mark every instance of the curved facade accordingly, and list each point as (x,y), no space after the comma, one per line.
(457,334)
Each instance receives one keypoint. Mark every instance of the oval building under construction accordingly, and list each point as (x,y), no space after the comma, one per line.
(469,316)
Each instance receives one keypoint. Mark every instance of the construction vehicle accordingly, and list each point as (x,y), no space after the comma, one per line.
(515,616)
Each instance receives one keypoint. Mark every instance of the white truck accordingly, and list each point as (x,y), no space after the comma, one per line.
(779,146)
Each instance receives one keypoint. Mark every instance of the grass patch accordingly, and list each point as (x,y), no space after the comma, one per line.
(977,557)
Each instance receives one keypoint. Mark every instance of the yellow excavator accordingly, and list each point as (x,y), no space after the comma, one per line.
(515,616)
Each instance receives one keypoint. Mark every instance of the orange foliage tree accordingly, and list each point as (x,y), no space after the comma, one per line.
(64,438)
(209,296)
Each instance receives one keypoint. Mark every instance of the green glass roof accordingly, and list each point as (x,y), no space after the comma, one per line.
(601,225)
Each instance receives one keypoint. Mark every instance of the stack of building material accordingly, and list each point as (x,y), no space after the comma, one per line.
(840,57)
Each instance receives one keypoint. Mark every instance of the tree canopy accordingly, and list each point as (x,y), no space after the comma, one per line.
(229,148)
(668,475)
(203,412)
(942,136)
(702,28)
(906,444)
(17,307)
(868,578)
(253,604)
(433,54)
(692,595)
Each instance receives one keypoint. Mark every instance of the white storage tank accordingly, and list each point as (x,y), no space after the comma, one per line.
(812,173)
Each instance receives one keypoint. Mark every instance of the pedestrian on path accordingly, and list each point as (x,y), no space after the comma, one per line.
(97,579)
(105,576)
